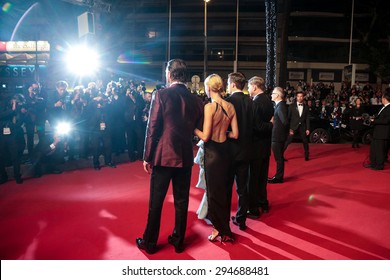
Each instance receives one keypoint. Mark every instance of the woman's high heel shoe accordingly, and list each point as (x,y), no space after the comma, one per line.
(213,236)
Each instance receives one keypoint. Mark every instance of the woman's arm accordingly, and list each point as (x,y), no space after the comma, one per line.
(207,124)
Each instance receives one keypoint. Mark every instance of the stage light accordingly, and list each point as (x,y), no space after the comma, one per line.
(82,61)
(63,128)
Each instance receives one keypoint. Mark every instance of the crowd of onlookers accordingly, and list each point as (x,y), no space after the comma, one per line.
(326,102)
(111,119)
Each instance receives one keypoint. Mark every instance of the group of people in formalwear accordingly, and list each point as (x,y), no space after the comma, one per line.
(238,134)
(229,128)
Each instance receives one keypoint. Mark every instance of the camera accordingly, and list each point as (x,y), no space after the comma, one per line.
(19,99)
(366,119)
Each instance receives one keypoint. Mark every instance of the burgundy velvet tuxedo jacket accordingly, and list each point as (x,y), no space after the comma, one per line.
(173,116)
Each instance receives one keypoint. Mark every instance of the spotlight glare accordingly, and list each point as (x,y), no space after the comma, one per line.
(63,128)
(82,61)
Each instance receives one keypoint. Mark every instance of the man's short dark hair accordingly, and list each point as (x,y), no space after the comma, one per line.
(178,70)
(386,95)
(238,79)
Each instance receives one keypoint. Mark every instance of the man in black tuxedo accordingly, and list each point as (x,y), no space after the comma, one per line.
(240,148)
(261,151)
(381,136)
(279,133)
(298,116)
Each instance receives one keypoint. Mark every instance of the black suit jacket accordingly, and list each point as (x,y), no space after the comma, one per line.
(382,124)
(262,127)
(241,147)
(281,125)
(296,120)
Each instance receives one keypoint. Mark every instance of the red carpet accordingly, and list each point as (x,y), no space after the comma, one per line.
(328,208)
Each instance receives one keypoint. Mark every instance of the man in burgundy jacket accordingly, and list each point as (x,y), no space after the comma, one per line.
(168,152)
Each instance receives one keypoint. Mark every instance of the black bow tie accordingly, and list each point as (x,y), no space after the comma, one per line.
(300,104)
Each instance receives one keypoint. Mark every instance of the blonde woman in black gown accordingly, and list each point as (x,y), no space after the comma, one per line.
(219,115)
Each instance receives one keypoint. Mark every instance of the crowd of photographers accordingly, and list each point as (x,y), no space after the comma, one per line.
(87,122)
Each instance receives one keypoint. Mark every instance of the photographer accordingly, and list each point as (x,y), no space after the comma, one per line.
(11,137)
(34,116)
(133,116)
(116,111)
(58,109)
(58,104)
(47,153)
(100,124)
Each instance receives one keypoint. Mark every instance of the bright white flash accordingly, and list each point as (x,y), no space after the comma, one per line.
(82,61)
(63,128)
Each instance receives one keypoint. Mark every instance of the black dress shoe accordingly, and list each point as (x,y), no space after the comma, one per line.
(97,167)
(264,208)
(147,248)
(111,165)
(376,168)
(241,225)
(178,248)
(253,214)
(275,180)
(306,158)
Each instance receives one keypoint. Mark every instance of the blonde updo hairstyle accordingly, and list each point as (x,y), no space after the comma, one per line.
(214,81)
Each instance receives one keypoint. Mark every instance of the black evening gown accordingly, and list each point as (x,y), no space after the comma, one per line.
(217,164)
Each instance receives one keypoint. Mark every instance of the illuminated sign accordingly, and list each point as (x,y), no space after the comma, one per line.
(25,46)
(17,71)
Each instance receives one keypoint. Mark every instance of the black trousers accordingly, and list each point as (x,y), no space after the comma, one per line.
(378,152)
(278,151)
(240,174)
(135,133)
(159,183)
(99,138)
(30,127)
(355,133)
(302,133)
(258,170)
(9,147)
